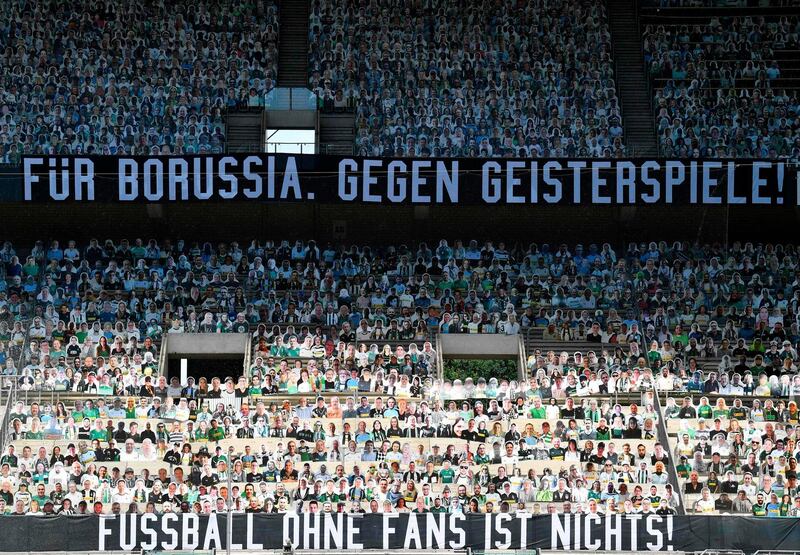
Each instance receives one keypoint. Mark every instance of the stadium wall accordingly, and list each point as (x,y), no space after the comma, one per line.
(395,224)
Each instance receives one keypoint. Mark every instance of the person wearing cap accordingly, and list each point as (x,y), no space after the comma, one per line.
(218,457)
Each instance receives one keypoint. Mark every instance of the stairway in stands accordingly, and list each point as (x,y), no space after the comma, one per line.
(631,79)
(245,130)
(534,341)
(293,44)
(337,133)
(786,55)
(336,130)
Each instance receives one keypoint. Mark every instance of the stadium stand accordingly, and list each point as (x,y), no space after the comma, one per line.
(654,378)
(451,79)
(300,301)
(113,78)
(346,413)
(290,455)
(725,81)
(739,458)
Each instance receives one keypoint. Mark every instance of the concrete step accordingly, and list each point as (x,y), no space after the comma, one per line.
(293,48)
(631,77)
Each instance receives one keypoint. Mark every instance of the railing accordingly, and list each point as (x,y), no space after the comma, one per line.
(291,98)
(663,437)
(248,357)
(87,552)
(439,358)
(522,358)
(27,322)
(284,148)
(162,353)
(290,148)
(715,4)
(12,383)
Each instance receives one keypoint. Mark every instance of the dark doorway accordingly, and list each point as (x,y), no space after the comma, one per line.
(221,367)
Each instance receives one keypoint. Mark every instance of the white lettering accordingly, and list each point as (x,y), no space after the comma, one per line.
(250,543)
(153,193)
(334,530)
(555,196)
(178,176)
(657,542)
(456,529)
(634,520)
(490,187)
(212,534)
(353,531)
(626,182)
(103,520)
(655,195)
(710,182)
(598,182)
(172,534)
(435,531)
(512,182)
(291,532)
(535,182)
(523,529)
(252,176)
(732,198)
(676,173)
(560,531)
(147,532)
(369,180)
(613,532)
(418,181)
(270,177)
(84,177)
(388,529)
(348,184)
(127,526)
(760,182)
(30,178)
(190,531)
(446,181)
(58,190)
(577,166)
(203,191)
(396,187)
(499,525)
(228,178)
(291,180)
(412,533)
(693,182)
(588,521)
(311,530)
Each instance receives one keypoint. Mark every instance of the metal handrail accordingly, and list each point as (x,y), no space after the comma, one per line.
(11,399)
(248,357)
(162,354)
(26,323)
(280,148)
(522,359)
(439,358)
(663,437)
